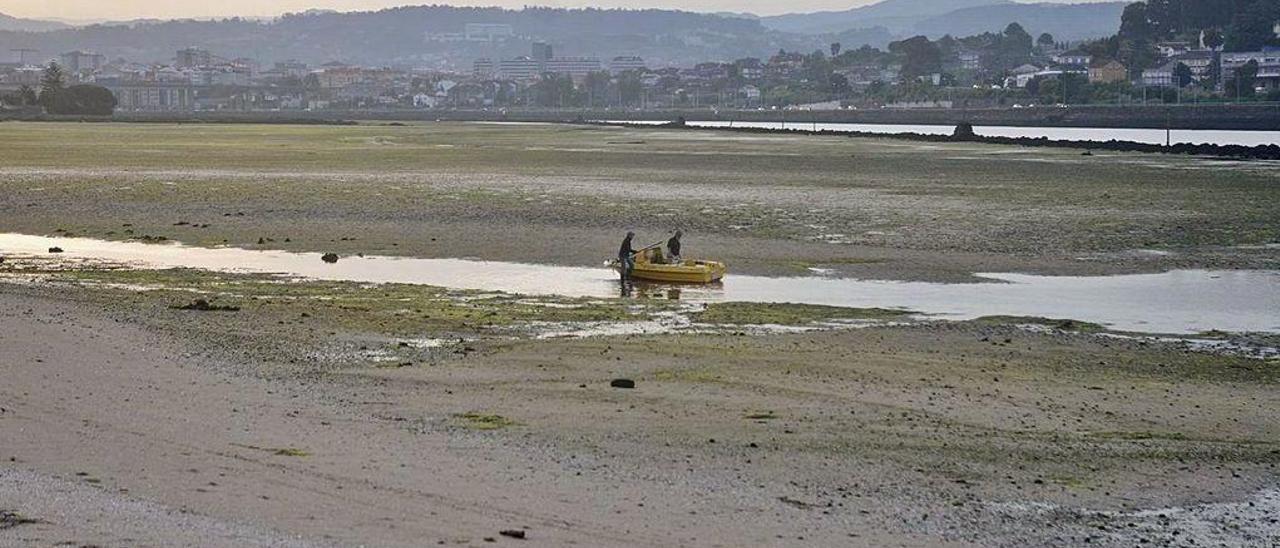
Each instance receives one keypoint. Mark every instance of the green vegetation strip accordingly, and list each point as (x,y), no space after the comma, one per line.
(481,421)
(1053,323)
(789,314)
(400,309)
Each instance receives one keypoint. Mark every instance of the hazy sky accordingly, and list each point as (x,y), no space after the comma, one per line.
(134,9)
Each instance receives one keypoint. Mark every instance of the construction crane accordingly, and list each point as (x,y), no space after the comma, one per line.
(22,54)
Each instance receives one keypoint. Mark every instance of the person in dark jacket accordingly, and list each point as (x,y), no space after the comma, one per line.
(673,248)
(627,256)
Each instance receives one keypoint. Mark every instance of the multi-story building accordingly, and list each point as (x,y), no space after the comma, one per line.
(542,51)
(152,96)
(483,68)
(24,75)
(1161,76)
(750,68)
(1173,47)
(1268,61)
(1199,61)
(292,68)
(626,63)
(576,67)
(80,62)
(1107,72)
(1020,75)
(784,63)
(339,77)
(1074,57)
(193,57)
(487,32)
(531,68)
(473,32)
(860,75)
(520,68)
(707,71)
(225,75)
(444,36)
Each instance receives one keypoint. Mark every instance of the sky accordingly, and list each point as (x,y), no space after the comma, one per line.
(95,10)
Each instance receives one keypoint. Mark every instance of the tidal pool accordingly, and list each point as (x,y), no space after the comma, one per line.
(1176,302)
(1138,135)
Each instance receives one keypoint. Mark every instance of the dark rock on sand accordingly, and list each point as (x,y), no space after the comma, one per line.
(513,533)
(55,250)
(204,306)
(622,383)
(10,519)
(329,258)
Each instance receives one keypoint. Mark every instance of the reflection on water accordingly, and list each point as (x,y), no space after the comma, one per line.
(1185,301)
(1137,135)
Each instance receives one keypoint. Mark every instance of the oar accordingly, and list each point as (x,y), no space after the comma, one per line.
(643,249)
(648,247)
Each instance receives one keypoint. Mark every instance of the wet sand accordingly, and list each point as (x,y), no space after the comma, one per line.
(930,435)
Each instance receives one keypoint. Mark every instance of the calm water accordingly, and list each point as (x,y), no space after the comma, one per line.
(1152,136)
(1186,301)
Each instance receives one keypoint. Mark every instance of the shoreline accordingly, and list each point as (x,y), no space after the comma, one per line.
(1217,116)
(964,134)
(652,121)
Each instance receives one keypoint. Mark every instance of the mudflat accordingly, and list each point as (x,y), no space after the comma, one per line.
(181,406)
(556,194)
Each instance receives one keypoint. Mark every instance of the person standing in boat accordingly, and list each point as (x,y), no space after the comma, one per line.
(673,249)
(626,256)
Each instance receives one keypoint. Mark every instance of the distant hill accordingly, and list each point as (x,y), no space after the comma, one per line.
(419,36)
(895,15)
(428,36)
(876,37)
(1063,21)
(8,22)
(960,18)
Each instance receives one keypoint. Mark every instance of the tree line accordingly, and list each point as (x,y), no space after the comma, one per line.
(56,97)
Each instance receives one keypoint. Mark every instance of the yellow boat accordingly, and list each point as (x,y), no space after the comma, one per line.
(689,272)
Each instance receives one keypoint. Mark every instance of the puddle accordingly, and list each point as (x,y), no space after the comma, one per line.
(1177,302)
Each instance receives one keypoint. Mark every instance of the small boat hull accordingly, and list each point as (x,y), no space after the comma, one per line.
(688,272)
